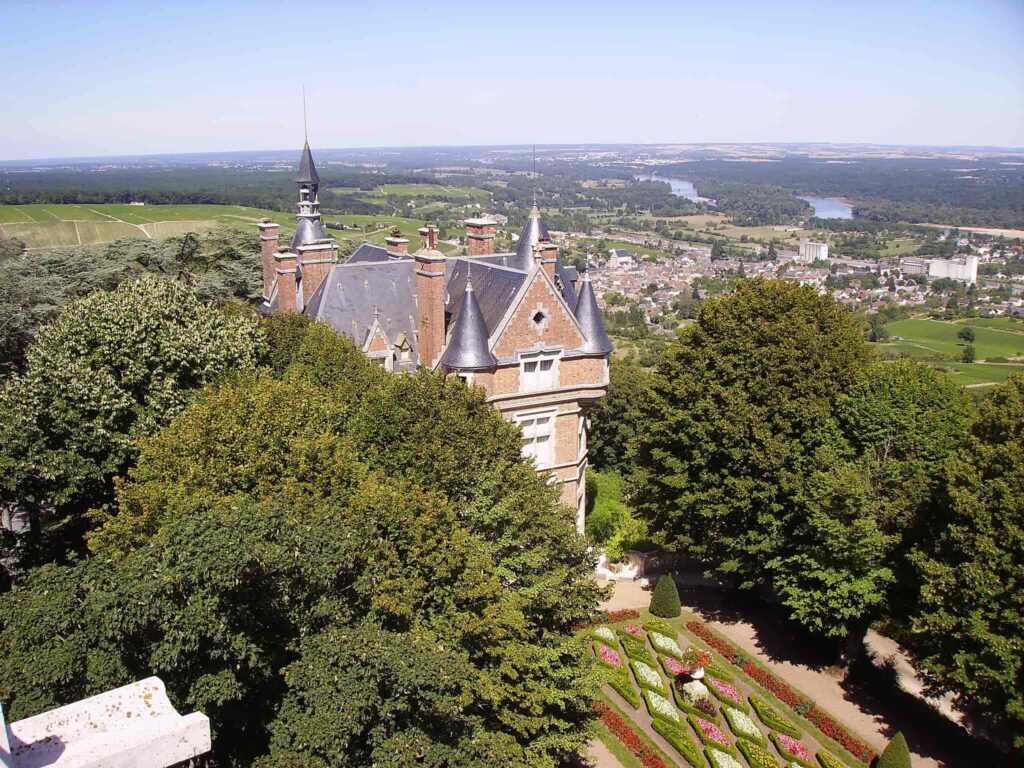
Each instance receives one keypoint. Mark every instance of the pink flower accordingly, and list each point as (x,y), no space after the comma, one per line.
(794,747)
(608,656)
(675,667)
(634,630)
(725,689)
(712,731)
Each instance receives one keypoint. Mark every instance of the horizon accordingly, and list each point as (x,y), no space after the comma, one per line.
(126,80)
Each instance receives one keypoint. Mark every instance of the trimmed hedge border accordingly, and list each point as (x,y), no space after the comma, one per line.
(629,738)
(828,760)
(657,714)
(740,705)
(772,718)
(622,685)
(757,755)
(798,703)
(732,716)
(635,648)
(678,738)
(707,740)
(720,759)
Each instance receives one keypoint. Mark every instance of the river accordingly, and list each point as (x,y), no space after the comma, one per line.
(830,208)
(680,187)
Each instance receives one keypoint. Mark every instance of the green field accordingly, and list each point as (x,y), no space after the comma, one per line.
(936,341)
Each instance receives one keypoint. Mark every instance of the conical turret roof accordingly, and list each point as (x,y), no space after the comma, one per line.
(307,169)
(533,232)
(588,314)
(468,350)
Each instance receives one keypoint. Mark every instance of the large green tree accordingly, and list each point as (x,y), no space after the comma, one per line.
(337,565)
(968,630)
(742,403)
(616,418)
(113,368)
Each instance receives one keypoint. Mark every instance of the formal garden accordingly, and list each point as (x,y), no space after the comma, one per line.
(677,693)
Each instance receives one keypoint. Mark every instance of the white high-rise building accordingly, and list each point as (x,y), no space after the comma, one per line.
(964,270)
(811,251)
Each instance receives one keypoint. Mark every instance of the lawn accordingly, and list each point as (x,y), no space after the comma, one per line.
(938,339)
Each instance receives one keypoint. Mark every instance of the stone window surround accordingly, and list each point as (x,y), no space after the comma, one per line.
(538,356)
(529,416)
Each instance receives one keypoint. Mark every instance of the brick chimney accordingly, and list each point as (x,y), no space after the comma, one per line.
(315,260)
(287,271)
(430,301)
(398,246)
(428,237)
(545,255)
(481,234)
(269,234)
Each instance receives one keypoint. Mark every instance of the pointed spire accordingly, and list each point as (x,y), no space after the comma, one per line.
(588,314)
(307,169)
(533,232)
(468,349)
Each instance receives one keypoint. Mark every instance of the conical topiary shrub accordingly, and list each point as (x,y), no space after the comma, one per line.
(896,754)
(665,602)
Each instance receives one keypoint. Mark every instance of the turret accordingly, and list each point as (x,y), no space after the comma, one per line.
(468,349)
(588,314)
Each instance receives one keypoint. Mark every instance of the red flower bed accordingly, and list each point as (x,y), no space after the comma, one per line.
(625,615)
(629,738)
(785,694)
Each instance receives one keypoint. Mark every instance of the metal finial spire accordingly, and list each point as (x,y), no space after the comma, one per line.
(535,173)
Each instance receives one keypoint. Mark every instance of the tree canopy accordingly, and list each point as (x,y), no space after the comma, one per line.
(358,564)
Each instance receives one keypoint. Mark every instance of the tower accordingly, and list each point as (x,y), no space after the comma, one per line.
(317,253)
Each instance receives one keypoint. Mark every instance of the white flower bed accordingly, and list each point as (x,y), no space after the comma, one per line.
(720,759)
(660,706)
(694,691)
(664,644)
(647,676)
(741,724)
(605,633)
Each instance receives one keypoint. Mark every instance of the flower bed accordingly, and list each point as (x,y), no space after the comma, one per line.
(635,648)
(720,759)
(627,614)
(673,668)
(757,755)
(709,733)
(666,645)
(801,705)
(606,657)
(727,694)
(659,625)
(629,738)
(791,749)
(647,676)
(623,686)
(605,633)
(634,630)
(772,718)
(720,672)
(828,760)
(679,739)
(695,658)
(659,706)
(742,725)
(693,698)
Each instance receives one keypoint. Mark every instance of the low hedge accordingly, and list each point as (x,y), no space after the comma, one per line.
(828,760)
(708,740)
(635,648)
(757,755)
(738,702)
(659,625)
(629,738)
(737,720)
(678,738)
(720,759)
(623,686)
(717,671)
(772,718)
(667,712)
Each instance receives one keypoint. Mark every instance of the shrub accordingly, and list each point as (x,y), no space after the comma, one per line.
(665,602)
(792,750)
(742,725)
(757,755)
(772,718)
(678,738)
(629,738)
(896,754)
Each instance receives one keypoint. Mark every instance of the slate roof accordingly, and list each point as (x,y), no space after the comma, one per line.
(307,168)
(533,232)
(494,288)
(307,231)
(368,252)
(468,347)
(588,314)
(351,293)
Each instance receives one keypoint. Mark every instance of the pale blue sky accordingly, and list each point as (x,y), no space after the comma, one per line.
(110,78)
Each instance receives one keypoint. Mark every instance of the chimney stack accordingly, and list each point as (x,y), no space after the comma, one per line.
(316,260)
(430,265)
(398,246)
(286,271)
(545,255)
(269,234)
(481,234)
(428,237)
